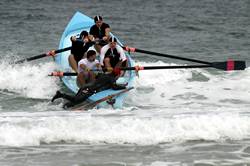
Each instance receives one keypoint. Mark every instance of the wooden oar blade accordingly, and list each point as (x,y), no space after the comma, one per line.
(230,65)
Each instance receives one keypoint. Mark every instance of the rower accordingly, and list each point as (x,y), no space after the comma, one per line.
(112,55)
(79,48)
(86,67)
(100,31)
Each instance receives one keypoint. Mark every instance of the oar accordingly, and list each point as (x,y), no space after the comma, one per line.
(50,53)
(137,68)
(227,66)
(240,64)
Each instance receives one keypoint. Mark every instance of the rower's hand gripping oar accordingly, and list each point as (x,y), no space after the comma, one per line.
(61,74)
(228,65)
(50,53)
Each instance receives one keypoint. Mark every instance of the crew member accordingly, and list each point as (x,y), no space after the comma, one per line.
(100,31)
(112,55)
(79,48)
(86,67)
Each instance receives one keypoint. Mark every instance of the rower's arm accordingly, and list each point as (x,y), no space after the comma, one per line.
(107,31)
(98,66)
(123,56)
(102,54)
(91,37)
(73,38)
(83,66)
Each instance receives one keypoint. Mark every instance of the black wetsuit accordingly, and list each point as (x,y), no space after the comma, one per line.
(79,48)
(103,82)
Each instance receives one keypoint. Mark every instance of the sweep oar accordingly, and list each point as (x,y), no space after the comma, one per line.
(50,53)
(231,65)
(227,66)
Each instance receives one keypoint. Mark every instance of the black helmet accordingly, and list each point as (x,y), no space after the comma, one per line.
(112,39)
(98,18)
(84,34)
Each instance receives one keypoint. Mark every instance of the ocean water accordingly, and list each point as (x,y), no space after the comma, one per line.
(182,117)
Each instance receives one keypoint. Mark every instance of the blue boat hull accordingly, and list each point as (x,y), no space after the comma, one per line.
(78,23)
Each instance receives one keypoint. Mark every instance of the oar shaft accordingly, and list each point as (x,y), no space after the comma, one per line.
(137,68)
(42,55)
(164,67)
(165,55)
(226,66)
(62,50)
(31,58)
